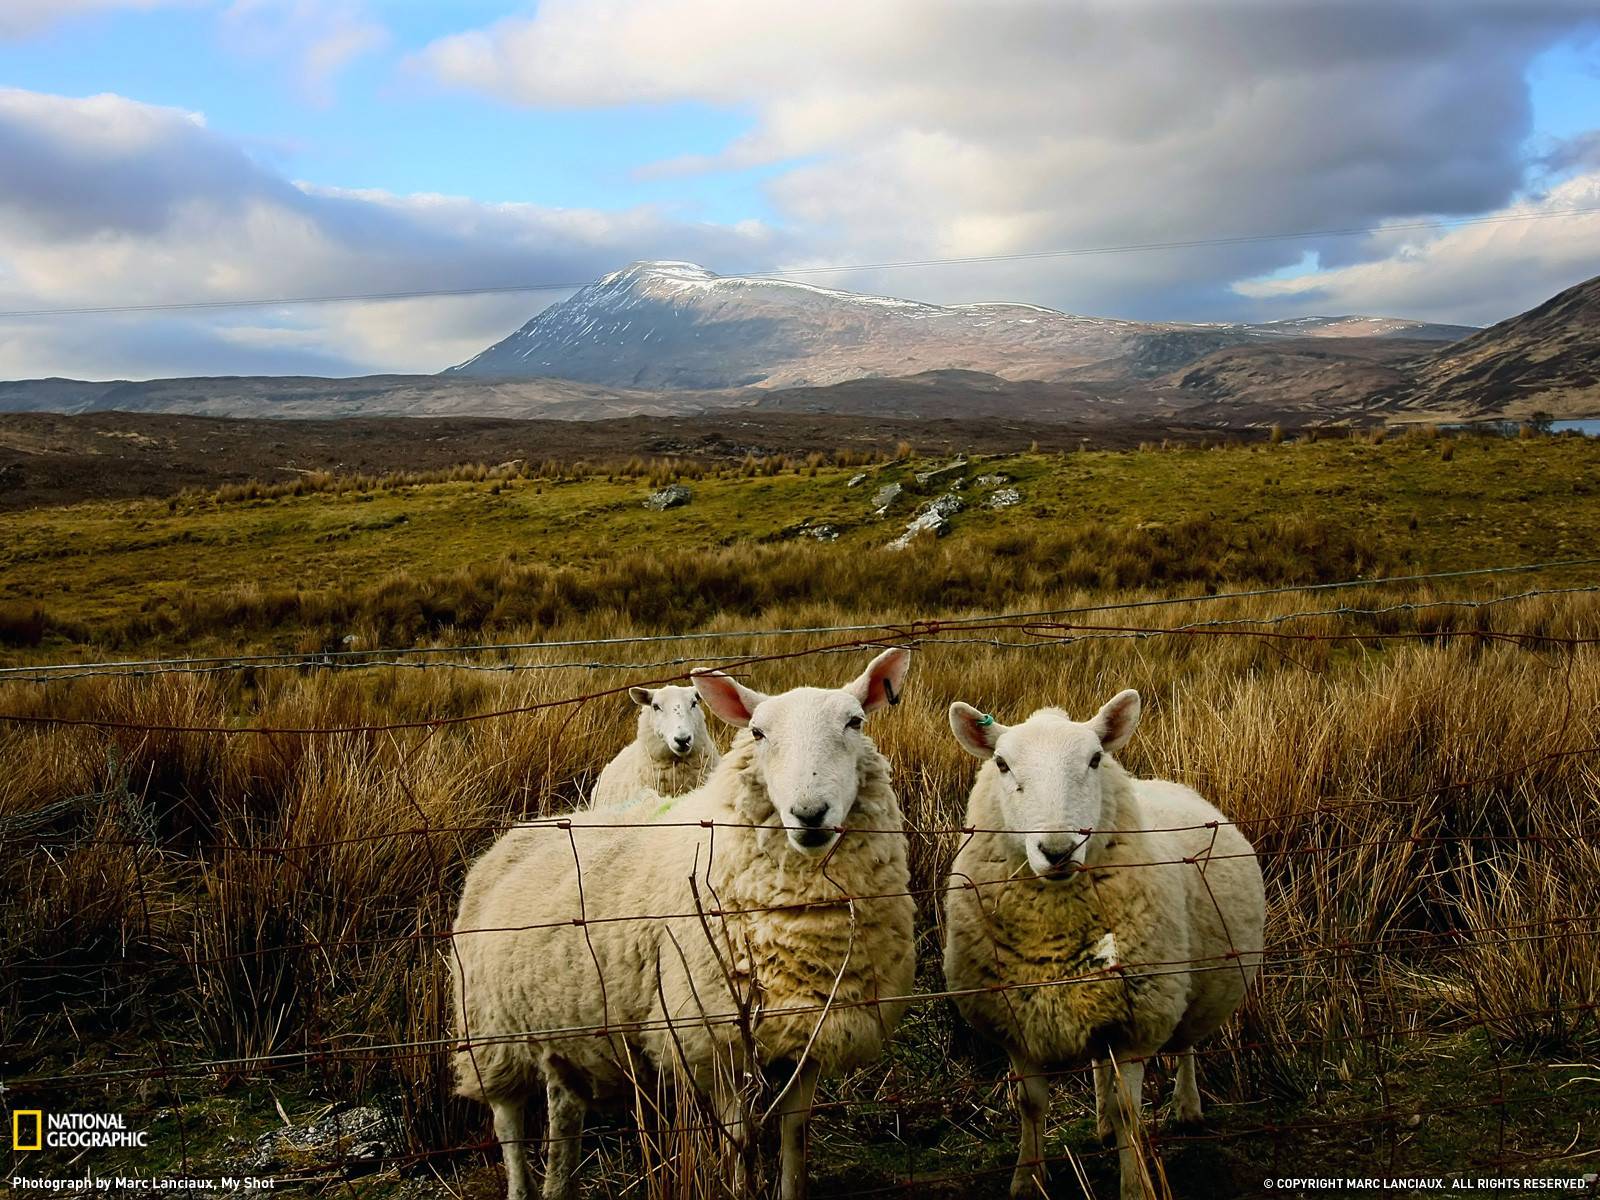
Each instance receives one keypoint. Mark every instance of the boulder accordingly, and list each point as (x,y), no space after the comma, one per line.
(887,495)
(933,517)
(935,473)
(674,495)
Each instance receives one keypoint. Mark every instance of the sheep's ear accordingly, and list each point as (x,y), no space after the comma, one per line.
(976,731)
(1115,723)
(641,696)
(880,683)
(726,696)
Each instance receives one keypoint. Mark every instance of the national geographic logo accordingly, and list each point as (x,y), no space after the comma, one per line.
(32,1129)
(27,1129)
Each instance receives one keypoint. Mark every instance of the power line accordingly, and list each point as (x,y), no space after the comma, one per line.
(780,274)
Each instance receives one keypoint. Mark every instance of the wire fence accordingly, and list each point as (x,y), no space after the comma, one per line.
(1399,995)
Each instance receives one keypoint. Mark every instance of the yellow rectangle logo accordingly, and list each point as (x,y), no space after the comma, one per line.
(18,1123)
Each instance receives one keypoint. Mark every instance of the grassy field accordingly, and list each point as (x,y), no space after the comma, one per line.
(1420,777)
(188,571)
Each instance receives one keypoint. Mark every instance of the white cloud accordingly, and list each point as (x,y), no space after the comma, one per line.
(105,200)
(321,36)
(899,129)
(1472,274)
(937,128)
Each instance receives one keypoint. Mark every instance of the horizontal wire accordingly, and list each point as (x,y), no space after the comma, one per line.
(241,661)
(1325,806)
(1452,938)
(1067,632)
(55,674)
(1229,961)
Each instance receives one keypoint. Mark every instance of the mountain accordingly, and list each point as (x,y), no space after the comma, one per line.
(1546,359)
(1292,381)
(672,340)
(665,325)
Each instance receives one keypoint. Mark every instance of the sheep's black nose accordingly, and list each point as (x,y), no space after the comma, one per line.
(811,818)
(1056,858)
(682,741)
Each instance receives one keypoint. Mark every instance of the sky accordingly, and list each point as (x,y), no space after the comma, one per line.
(167,152)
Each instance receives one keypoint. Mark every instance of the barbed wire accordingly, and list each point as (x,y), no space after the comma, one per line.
(48,673)
(19,827)
(1057,631)
(1423,941)
(1228,961)
(241,661)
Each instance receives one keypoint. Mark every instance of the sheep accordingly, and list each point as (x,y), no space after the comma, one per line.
(672,752)
(793,906)
(1076,876)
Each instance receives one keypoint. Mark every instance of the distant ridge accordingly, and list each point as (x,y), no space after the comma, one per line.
(665,325)
(994,361)
(1546,359)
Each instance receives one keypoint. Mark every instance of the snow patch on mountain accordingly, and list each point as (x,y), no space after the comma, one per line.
(667,324)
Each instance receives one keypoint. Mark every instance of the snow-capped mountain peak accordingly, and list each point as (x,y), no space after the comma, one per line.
(670,324)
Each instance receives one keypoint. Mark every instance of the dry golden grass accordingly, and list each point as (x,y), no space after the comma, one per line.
(1426,809)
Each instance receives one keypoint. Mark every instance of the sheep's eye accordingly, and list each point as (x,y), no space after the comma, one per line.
(657,707)
(853,723)
(757,734)
(1094,760)
(1002,766)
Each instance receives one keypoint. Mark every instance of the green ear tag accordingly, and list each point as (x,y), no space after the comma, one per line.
(986,720)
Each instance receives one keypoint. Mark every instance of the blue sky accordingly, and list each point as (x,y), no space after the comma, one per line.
(383,124)
(272,147)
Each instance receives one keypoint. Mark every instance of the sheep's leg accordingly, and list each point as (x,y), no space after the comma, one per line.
(734,1116)
(565,1143)
(1105,1097)
(794,1116)
(1186,1092)
(1032,1093)
(510,1130)
(1125,1116)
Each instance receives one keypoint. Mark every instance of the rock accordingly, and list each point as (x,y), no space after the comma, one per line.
(356,1140)
(887,495)
(988,481)
(674,495)
(924,476)
(1004,498)
(823,533)
(858,477)
(933,517)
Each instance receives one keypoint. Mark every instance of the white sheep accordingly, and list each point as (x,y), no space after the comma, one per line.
(1075,929)
(793,902)
(672,752)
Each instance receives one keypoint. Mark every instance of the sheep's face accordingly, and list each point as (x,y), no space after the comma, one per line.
(673,715)
(808,743)
(1048,775)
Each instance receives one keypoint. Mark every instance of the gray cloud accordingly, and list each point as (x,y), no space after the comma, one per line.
(930,128)
(904,129)
(105,200)
(25,18)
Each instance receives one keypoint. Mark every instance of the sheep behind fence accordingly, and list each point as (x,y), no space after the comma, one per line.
(1423,803)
